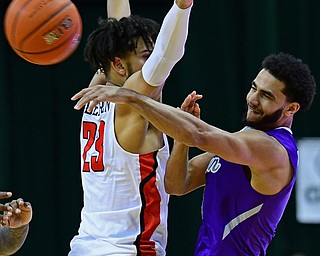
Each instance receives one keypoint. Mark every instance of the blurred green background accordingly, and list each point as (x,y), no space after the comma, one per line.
(39,141)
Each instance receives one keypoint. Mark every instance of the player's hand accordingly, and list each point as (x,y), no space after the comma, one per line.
(17,213)
(3,195)
(183,4)
(190,105)
(101,93)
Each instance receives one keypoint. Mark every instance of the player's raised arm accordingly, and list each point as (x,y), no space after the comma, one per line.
(114,9)
(118,9)
(168,50)
(170,44)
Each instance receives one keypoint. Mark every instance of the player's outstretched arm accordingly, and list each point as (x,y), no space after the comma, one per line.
(170,44)
(182,176)
(115,9)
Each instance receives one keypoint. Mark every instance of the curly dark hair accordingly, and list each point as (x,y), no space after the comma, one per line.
(300,85)
(117,38)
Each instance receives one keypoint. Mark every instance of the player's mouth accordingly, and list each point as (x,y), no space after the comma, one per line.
(253,110)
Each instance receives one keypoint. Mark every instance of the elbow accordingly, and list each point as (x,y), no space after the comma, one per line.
(174,190)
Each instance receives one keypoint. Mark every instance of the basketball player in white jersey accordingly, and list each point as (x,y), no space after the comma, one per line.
(123,157)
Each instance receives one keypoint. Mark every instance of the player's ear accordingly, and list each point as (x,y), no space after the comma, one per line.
(292,108)
(118,66)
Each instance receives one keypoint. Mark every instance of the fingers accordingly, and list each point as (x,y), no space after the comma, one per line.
(4,220)
(12,207)
(186,103)
(196,110)
(189,104)
(78,95)
(193,96)
(2,208)
(24,206)
(17,206)
(85,96)
(81,102)
(4,195)
(16,214)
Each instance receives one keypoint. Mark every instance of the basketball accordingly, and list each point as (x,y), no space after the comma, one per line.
(43,32)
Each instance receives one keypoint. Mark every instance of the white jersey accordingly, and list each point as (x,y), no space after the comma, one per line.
(125,204)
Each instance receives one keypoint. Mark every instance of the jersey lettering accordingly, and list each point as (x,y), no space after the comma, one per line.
(214,165)
(98,110)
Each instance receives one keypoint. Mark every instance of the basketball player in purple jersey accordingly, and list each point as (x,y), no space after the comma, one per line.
(123,156)
(248,175)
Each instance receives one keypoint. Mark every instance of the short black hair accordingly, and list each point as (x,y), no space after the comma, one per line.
(116,38)
(300,85)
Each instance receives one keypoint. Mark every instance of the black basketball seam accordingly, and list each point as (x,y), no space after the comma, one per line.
(36,53)
(43,24)
(14,24)
(63,43)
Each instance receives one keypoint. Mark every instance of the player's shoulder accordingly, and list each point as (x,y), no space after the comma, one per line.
(137,83)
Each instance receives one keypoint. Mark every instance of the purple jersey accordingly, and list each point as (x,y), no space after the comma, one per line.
(237,220)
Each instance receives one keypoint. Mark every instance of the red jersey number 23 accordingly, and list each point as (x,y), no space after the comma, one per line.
(95,162)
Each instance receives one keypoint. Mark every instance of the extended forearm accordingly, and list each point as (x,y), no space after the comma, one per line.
(176,177)
(180,125)
(169,46)
(11,239)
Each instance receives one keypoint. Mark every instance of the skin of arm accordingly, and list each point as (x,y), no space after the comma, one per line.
(115,9)
(118,9)
(11,239)
(262,153)
(14,224)
(183,176)
(98,78)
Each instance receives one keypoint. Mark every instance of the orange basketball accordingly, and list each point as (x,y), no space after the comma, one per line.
(43,32)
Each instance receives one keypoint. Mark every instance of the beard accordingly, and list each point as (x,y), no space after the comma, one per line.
(266,122)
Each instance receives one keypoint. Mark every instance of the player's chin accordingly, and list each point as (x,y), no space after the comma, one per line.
(252,121)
